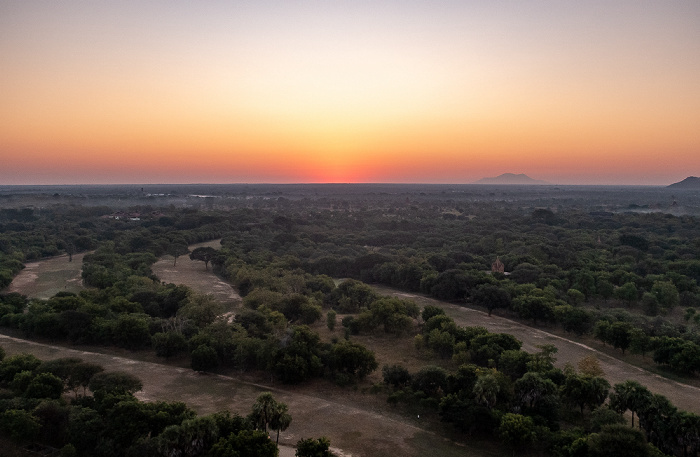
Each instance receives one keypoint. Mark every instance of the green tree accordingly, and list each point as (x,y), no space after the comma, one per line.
(572,319)
(16,364)
(441,342)
(246,443)
(131,331)
(666,293)
(281,421)
(585,391)
(486,390)
(430,380)
(640,342)
(178,248)
(312,447)
(168,344)
(603,416)
(300,358)
(575,296)
(353,359)
(204,254)
(605,288)
(192,437)
(330,320)
(537,308)
(204,358)
(620,335)
(45,385)
(85,429)
(21,381)
(630,395)
(19,425)
(517,431)
(269,413)
(431,311)
(491,297)
(396,376)
(617,441)
(532,388)
(513,363)
(201,310)
(627,292)
(115,383)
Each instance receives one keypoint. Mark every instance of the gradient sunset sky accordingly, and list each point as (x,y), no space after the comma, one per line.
(441,91)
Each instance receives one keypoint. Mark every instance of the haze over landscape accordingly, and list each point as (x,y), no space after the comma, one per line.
(444,91)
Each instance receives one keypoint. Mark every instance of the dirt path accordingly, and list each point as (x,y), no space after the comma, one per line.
(45,278)
(682,395)
(356,430)
(193,274)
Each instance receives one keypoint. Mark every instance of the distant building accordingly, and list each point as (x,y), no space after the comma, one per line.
(497,266)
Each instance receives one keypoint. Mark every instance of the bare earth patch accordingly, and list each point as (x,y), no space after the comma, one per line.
(193,274)
(45,278)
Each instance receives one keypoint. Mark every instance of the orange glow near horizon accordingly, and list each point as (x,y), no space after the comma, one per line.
(398,94)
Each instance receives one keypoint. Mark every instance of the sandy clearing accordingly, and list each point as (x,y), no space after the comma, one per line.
(57,274)
(193,274)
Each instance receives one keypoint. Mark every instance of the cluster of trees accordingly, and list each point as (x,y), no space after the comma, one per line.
(79,408)
(500,391)
(680,354)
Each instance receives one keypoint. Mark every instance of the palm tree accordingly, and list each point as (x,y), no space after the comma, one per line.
(280,420)
(486,390)
(269,413)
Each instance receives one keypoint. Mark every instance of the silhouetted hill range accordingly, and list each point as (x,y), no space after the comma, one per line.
(691,182)
(511,179)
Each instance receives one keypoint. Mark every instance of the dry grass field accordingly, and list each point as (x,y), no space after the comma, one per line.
(45,278)
(194,275)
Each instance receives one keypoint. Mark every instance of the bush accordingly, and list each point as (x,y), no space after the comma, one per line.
(204,358)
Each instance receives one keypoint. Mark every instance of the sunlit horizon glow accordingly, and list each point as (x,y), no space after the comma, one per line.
(289,92)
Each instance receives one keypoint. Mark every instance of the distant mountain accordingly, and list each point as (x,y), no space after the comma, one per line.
(691,182)
(510,178)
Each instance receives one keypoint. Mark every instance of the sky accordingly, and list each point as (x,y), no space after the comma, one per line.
(405,91)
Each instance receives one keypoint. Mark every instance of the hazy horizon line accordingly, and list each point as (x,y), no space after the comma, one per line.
(547,184)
